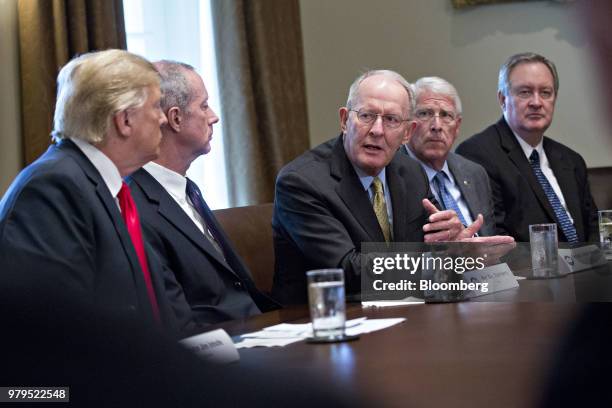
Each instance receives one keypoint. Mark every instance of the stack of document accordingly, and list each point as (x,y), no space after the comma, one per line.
(283,334)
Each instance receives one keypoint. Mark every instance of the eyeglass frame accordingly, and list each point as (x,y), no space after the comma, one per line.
(385,124)
(452,115)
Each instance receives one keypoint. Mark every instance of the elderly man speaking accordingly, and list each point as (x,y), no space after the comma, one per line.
(355,188)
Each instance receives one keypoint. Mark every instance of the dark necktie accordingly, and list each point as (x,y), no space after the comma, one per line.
(195,195)
(560,214)
(129,213)
(448,201)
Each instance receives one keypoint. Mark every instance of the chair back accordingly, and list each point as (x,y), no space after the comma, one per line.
(250,231)
(600,181)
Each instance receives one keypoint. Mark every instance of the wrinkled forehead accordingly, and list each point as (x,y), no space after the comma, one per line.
(382,89)
(530,72)
(431,99)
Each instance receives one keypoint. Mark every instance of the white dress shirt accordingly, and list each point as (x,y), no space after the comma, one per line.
(104,165)
(450,183)
(176,185)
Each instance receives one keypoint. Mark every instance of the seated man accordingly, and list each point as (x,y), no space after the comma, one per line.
(177,222)
(534,179)
(457,183)
(355,188)
(68,223)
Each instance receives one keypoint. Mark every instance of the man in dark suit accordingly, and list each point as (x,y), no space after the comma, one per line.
(353,189)
(176,219)
(68,223)
(534,179)
(457,183)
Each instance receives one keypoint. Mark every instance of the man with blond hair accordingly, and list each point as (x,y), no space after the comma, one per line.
(68,222)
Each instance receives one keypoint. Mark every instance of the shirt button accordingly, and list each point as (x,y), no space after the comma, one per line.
(238,285)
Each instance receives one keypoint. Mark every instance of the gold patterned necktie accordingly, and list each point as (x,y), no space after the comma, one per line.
(380,208)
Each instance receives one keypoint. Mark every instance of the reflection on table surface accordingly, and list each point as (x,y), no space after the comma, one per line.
(490,351)
(455,354)
(592,285)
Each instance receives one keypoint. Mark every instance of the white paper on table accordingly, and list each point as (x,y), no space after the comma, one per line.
(578,259)
(255,342)
(497,277)
(306,327)
(410,300)
(285,333)
(215,346)
(371,325)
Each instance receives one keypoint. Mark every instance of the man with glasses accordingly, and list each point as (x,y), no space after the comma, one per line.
(457,183)
(355,188)
(534,179)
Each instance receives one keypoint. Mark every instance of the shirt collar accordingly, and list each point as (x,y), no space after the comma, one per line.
(104,165)
(366,180)
(528,149)
(431,172)
(173,182)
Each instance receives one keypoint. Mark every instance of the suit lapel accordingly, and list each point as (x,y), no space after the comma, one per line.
(466,186)
(114,213)
(517,156)
(235,264)
(351,191)
(170,210)
(564,171)
(404,209)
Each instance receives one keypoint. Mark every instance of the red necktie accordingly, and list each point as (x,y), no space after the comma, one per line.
(132,222)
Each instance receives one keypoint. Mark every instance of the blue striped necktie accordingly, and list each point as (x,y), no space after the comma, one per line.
(560,214)
(447,199)
(195,195)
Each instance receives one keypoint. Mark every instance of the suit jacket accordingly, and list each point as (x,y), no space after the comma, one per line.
(322,215)
(518,197)
(473,183)
(217,289)
(61,230)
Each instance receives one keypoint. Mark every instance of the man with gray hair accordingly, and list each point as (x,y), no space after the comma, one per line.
(68,223)
(177,221)
(457,183)
(534,179)
(355,188)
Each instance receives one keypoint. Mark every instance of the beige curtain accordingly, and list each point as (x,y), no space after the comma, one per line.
(50,33)
(261,74)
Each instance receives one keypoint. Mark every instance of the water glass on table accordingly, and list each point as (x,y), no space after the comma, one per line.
(605,232)
(327,304)
(544,250)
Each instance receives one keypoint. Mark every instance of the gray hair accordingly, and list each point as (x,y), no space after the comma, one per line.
(95,86)
(438,86)
(175,88)
(503,84)
(354,89)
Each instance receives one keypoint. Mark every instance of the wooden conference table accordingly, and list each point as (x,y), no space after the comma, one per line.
(473,354)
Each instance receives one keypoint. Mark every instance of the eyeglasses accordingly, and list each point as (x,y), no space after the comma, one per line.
(428,114)
(389,121)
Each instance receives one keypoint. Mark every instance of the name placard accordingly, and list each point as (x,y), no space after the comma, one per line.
(495,278)
(578,259)
(215,346)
